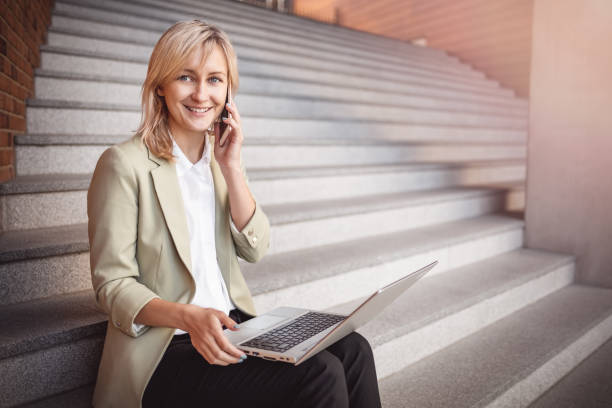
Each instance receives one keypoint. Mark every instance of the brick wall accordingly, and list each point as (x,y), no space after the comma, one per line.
(23,28)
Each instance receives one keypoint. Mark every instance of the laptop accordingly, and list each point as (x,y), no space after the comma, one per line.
(293,335)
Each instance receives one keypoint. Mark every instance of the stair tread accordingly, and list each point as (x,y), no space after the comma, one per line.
(277,271)
(479,368)
(588,385)
(42,323)
(41,183)
(76,139)
(43,242)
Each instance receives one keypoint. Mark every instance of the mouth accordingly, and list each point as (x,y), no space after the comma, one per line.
(198,109)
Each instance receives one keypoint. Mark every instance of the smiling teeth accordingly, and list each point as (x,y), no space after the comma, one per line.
(202,110)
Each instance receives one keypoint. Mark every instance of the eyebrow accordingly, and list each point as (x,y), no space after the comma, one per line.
(210,73)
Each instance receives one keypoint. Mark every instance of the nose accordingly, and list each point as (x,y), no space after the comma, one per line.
(200,92)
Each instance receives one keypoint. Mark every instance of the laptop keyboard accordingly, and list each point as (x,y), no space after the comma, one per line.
(304,327)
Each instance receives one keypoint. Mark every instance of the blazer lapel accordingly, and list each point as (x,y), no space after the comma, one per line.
(168,193)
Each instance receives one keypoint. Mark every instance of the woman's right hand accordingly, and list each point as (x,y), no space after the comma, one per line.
(205,327)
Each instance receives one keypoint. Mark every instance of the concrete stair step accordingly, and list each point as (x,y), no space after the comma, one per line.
(513,361)
(73,154)
(53,85)
(61,117)
(68,60)
(296,225)
(56,259)
(250,47)
(49,346)
(588,385)
(127,117)
(59,199)
(78,398)
(134,20)
(36,342)
(333,274)
(43,262)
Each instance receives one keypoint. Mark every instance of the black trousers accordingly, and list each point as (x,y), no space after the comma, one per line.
(343,375)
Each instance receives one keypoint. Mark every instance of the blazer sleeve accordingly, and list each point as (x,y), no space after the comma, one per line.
(112,209)
(253,241)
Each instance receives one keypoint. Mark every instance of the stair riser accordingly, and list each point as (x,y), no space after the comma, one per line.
(525,392)
(279,128)
(391,356)
(129,94)
(361,282)
(46,372)
(49,276)
(317,188)
(282,55)
(245,24)
(81,159)
(299,235)
(89,121)
(22,211)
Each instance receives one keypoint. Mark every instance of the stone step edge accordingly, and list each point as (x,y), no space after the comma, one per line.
(45,183)
(51,241)
(93,78)
(489,91)
(33,139)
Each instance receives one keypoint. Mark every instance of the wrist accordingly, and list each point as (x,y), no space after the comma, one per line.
(185,316)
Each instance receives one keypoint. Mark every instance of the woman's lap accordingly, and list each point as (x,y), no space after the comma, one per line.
(184,378)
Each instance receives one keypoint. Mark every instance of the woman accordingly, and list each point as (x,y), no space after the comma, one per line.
(169,213)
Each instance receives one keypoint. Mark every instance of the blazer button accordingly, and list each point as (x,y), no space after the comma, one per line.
(254,239)
(250,232)
(118,324)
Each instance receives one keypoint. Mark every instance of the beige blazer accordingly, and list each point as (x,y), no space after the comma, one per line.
(139,250)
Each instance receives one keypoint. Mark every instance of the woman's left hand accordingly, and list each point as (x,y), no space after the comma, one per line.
(228,154)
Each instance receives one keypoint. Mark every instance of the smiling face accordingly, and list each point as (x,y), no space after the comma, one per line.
(196,96)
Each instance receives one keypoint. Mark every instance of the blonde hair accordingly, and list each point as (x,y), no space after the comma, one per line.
(167,59)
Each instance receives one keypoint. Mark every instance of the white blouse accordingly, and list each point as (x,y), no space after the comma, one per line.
(198,193)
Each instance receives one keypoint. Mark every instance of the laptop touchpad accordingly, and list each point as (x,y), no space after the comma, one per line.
(263,322)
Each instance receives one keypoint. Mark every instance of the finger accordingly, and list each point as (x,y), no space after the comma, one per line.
(221,355)
(204,352)
(227,347)
(234,111)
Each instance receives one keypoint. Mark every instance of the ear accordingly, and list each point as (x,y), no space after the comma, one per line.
(160,91)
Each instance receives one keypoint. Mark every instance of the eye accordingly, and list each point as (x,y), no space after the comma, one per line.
(215,82)
(184,78)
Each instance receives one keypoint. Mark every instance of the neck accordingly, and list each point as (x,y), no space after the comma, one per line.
(191,145)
